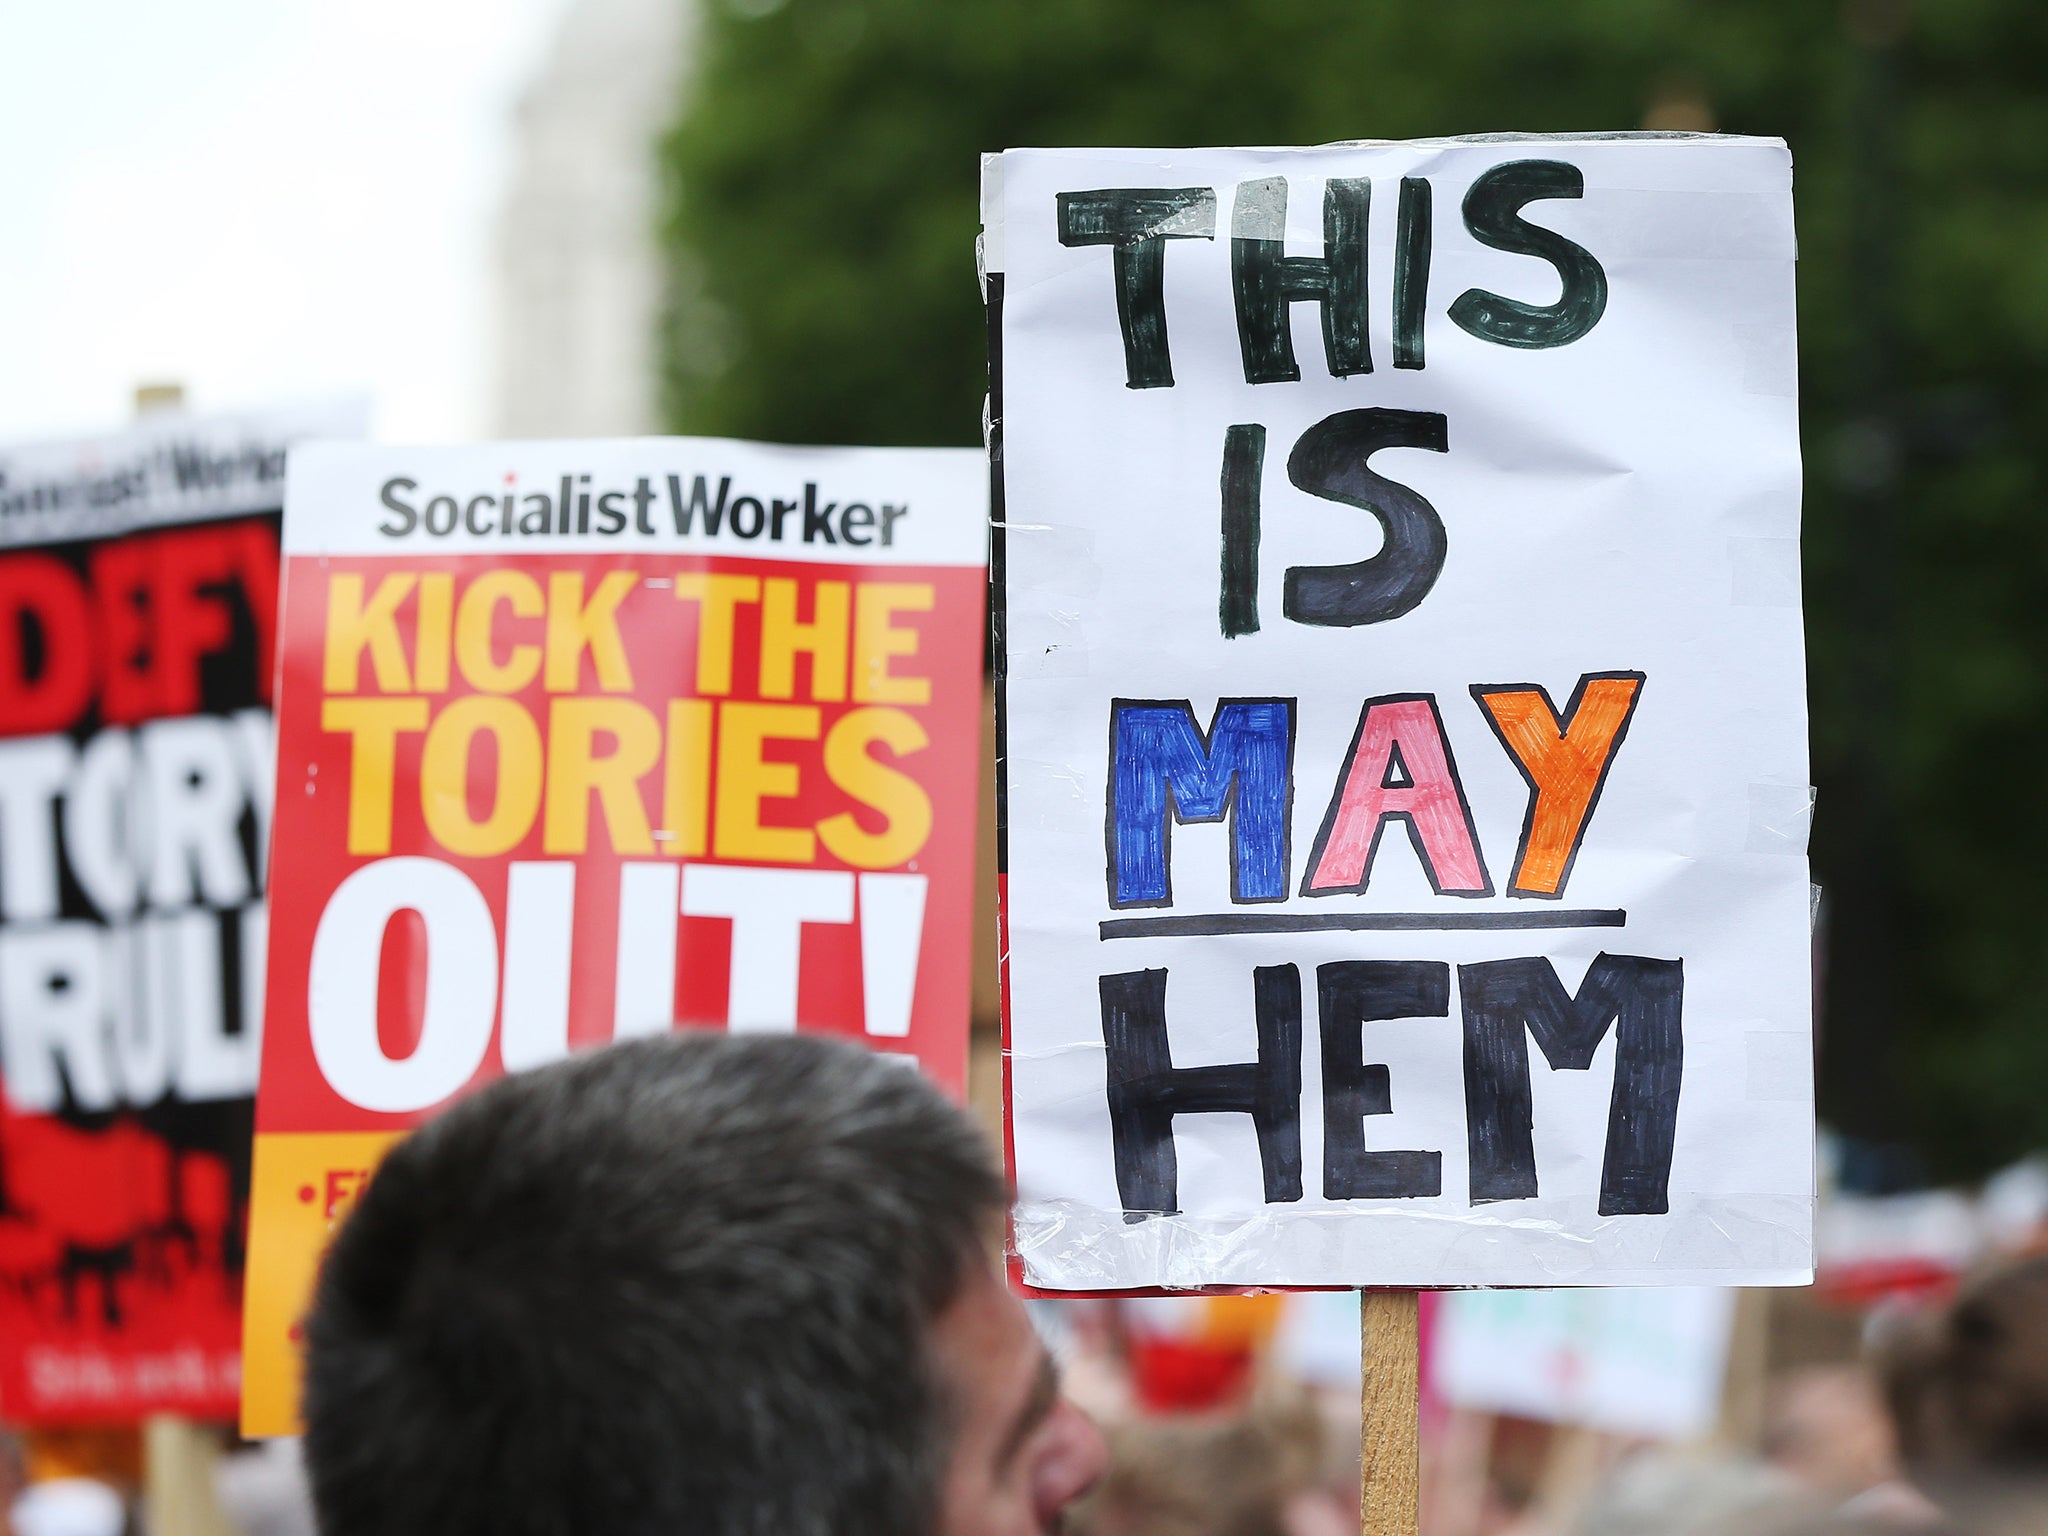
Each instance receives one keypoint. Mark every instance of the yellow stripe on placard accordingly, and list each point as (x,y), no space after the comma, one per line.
(303,1185)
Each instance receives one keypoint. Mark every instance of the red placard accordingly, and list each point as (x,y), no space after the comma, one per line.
(540,790)
(138,602)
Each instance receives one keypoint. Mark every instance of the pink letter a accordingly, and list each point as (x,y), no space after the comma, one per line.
(1401,768)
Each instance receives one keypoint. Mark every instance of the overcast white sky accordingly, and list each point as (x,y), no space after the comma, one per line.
(263,200)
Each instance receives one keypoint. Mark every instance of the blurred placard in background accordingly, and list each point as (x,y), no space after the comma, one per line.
(138,616)
(1633,1361)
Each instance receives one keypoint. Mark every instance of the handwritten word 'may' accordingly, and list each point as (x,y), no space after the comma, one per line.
(1164,768)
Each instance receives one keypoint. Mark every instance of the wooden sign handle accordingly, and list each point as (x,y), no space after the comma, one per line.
(1390,1476)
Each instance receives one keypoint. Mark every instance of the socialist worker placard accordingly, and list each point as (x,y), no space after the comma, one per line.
(579,741)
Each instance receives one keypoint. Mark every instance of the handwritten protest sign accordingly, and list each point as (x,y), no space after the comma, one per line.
(1402,700)
(579,740)
(138,603)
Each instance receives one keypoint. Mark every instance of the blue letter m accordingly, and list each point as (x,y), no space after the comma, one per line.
(1164,769)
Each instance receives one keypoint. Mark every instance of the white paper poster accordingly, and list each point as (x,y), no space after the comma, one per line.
(1404,726)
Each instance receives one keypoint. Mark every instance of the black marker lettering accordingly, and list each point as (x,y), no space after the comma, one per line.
(1146,1090)
(1411,270)
(1350,993)
(1493,214)
(1506,1001)
(1265,281)
(1244,462)
(1137,223)
(1330,462)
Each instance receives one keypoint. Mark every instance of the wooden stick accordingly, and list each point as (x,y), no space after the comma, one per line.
(1390,1473)
(178,1494)
(1741,1426)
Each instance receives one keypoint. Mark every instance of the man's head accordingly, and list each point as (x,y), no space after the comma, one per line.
(1969,1385)
(691,1284)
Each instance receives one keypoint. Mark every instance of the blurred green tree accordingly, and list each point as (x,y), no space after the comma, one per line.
(820,220)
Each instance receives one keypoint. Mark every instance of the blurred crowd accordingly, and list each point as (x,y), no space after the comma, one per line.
(1931,1417)
(1902,1399)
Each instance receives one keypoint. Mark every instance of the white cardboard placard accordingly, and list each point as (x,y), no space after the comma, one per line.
(1404,725)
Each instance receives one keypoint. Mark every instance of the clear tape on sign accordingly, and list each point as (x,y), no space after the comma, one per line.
(1762,1235)
(1048,643)
(1260,210)
(1073,809)
(988,247)
(1061,561)
(1780,817)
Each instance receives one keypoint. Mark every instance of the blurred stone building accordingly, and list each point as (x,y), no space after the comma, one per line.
(579,283)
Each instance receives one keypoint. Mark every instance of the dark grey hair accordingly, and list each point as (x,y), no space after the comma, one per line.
(682,1284)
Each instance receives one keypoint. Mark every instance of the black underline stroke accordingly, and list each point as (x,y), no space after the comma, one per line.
(1222,924)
